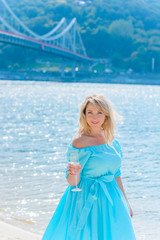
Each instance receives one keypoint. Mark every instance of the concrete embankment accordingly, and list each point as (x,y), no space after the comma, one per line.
(150,79)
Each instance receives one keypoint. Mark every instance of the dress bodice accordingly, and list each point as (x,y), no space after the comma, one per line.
(99,160)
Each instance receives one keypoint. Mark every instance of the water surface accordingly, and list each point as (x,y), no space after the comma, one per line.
(37,122)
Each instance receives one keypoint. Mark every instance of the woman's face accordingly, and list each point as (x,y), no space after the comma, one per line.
(94,116)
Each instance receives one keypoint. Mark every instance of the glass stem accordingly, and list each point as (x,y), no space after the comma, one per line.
(76,179)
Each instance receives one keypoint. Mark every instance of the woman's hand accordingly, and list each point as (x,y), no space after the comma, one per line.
(74,170)
(131,212)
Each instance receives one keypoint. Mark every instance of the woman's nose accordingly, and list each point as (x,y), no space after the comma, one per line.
(95,116)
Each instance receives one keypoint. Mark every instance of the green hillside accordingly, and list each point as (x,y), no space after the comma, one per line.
(125,32)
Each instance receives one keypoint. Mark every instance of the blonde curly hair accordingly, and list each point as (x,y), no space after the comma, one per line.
(109,125)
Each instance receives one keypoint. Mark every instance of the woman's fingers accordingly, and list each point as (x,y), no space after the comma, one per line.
(131,212)
(72,169)
(71,172)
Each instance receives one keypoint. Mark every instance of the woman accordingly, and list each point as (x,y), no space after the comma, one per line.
(101,210)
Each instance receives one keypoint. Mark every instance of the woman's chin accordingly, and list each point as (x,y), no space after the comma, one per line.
(95,125)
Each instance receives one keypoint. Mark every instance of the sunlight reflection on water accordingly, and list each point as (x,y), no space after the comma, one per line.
(37,122)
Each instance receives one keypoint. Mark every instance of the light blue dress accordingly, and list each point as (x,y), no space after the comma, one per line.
(99,211)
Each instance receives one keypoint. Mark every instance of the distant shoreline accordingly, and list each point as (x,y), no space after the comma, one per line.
(134,78)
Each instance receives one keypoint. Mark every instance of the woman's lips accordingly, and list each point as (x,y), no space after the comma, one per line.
(95,122)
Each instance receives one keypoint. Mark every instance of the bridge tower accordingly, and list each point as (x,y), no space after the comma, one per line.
(64,40)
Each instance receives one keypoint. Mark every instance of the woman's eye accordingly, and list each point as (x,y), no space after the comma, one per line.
(89,112)
(99,112)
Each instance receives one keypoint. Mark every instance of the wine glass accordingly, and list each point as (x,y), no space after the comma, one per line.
(74,159)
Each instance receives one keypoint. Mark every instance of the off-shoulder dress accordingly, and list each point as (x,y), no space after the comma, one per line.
(100,211)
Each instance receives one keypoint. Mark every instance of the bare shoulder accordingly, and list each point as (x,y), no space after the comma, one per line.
(80,141)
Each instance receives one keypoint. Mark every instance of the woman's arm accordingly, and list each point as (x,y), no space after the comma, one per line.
(120,184)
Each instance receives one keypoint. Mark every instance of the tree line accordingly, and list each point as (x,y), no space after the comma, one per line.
(125,32)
